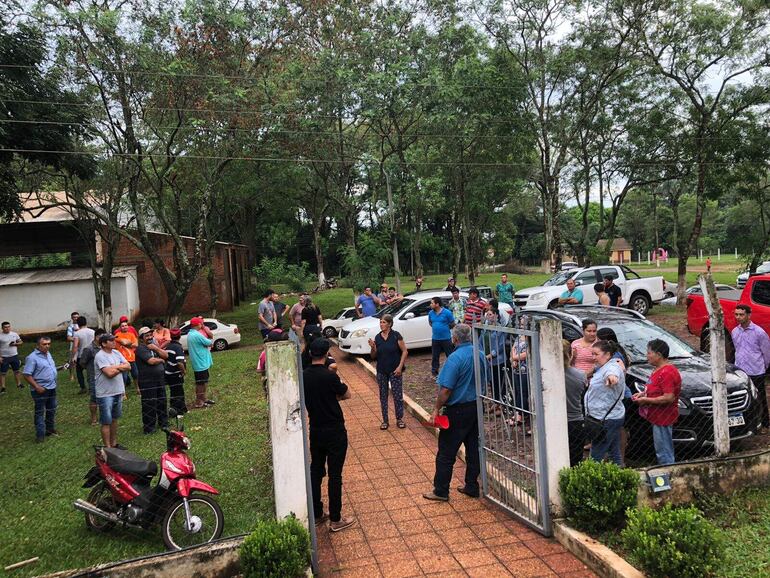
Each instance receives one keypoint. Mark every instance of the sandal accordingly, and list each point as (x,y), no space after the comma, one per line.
(400,423)
(384,425)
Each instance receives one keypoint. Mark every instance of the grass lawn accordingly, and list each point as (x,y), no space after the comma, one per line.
(744,518)
(230,447)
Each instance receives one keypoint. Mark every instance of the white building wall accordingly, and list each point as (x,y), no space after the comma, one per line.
(41,307)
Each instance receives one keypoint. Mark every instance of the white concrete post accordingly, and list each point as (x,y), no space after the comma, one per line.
(554,406)
(736,252)
(718,363)
(648,257)
(291,474)
(719,253)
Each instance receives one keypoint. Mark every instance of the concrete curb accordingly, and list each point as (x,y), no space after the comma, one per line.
(593,553)
(411,405)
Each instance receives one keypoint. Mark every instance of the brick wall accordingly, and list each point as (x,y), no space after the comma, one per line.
(230,273)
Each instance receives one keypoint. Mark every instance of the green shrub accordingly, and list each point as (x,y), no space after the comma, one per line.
(276,549)
(673,542)
(275,271)
(596,494)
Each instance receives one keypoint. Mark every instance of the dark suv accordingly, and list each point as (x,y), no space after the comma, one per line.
(694,428)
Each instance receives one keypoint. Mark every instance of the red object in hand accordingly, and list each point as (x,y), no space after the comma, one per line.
(441,422)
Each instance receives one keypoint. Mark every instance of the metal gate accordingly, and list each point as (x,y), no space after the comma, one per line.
(510,410)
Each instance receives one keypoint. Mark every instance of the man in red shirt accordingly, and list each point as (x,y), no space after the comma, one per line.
(474,307)
(659,402)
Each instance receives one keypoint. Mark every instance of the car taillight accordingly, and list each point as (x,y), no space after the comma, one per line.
(236,330)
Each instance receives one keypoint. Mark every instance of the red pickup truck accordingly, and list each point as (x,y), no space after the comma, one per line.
(756,294)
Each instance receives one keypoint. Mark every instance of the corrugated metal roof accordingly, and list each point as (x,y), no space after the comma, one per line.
(58,275)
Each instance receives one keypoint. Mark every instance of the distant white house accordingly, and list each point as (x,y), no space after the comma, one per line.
(40,300)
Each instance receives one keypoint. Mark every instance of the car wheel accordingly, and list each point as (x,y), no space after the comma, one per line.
(640,303)
(553,304)
(220,345)
(330,332)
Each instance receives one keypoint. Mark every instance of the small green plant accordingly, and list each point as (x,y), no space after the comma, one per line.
(675,542)
(596,494)
(276,549)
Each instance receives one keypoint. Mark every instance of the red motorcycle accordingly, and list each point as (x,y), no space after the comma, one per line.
(122,494)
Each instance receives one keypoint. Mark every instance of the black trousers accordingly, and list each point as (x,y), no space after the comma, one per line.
(154,409)
(176,393)
(576,441)
(328,446)
(759,383)
(463,430)
(80,372)
(436,348)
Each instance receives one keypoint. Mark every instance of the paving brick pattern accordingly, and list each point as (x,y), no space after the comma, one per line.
(399,534)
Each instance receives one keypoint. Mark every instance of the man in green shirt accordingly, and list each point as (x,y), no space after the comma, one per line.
(505,290)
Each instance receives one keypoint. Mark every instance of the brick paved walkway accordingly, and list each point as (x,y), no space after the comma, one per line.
(399,534)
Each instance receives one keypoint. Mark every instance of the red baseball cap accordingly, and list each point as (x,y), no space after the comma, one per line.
(123,318)
(176,332)
(196,321)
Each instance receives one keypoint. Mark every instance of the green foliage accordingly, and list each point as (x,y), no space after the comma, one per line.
(673,542)
(368,261)
(276,549)
(275,270)
(596,495)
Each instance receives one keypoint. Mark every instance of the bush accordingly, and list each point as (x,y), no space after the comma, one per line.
(674,542)
(274,271)
(596,494)
(276,549)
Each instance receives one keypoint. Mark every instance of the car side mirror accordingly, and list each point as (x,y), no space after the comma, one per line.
(409,315)
(578,283)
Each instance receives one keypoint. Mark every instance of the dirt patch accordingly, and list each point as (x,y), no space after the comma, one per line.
(674,321)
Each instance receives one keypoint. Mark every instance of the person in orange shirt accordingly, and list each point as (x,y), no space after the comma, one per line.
(161,334)
(126,343)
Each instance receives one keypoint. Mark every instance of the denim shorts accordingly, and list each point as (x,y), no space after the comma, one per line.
(11,362)
(110,408)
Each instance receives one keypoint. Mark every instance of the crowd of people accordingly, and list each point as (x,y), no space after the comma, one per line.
(106,364)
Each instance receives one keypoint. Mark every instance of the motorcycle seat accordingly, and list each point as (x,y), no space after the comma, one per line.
(127,463)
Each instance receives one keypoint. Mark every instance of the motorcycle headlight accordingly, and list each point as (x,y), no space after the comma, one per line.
(359,333)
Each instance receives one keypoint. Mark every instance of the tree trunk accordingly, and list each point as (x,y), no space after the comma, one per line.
(417,241)
(213,293)
(319,256)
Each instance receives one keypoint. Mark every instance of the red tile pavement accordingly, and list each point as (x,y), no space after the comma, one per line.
(398,533)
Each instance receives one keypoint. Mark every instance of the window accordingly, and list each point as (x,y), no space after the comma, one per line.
(760,292)
(609,271)
(421,309)
(350,314)
(211,325)
(570,333)
(185,330)
(587,278)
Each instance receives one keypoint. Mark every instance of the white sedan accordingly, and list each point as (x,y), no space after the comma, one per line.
(224,335)
(695,290)
(331,327)
(410,319)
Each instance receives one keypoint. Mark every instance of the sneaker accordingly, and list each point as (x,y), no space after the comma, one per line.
(434,498)
(341,524)
(19,385)
(53,432)
(2,391)
(209,402)
(462,490)
(321,519)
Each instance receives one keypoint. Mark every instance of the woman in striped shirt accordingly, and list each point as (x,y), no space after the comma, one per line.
(582,358)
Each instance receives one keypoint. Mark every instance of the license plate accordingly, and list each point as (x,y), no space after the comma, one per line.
(735,420)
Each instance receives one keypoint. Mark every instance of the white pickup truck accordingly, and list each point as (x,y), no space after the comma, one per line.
(639,293)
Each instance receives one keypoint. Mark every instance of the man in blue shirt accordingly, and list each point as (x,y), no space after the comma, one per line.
(572,296)
(441,321)
(457,396)
(199,342)
(40,373)
(367,303)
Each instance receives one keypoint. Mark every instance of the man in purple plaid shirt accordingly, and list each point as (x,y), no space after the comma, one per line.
(752,355)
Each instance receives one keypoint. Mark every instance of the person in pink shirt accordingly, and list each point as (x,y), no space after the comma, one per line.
(582,357)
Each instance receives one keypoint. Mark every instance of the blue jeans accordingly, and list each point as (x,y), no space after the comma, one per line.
(45,412)
(610,444)
(662,437)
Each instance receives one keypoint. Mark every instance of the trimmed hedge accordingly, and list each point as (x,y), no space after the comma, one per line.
(596,495)
(276,549)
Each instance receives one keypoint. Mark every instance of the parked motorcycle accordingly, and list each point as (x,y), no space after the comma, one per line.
(122,494)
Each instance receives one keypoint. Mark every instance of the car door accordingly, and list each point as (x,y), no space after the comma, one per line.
(413,325)
(587,280)
(617,280)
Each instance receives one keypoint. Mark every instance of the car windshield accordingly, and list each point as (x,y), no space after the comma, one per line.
(560,279)
(634,335)
(394,308)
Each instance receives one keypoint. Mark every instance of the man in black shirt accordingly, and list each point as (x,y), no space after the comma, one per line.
(328,436)
(175,371)
(613,291)
(150,361)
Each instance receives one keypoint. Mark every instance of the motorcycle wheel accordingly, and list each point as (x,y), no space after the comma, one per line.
(209,516)
(101,497)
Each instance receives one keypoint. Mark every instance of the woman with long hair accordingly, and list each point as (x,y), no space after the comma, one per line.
(603,402)
(311,319)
